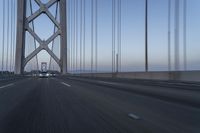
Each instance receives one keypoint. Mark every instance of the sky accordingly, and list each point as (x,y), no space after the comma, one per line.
(132,35)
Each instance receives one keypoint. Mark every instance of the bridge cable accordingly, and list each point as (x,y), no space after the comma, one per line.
(13,41)
(74,38)
(75,35)
(146,37)
(185,33)
(71,31)
(69,35)
(120,19)
(11,34)
(169,35)
(31,8)
(96,36)
(14,32)
(3,38)
(81,33)
(92,33)
(8,33)
(113,34)
(54,30)
(119,38)
(84,25)
(112,30)
(176,36)
(77,2)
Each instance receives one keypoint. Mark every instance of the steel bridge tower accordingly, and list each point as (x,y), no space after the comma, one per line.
(23,26)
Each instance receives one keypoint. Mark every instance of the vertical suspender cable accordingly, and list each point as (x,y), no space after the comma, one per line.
(84,7)
(69,23)
(8,29)
(81,24)
(119,37)
(185,33)
(77,35)
(92,26)
(11,34)
(54,30)
(69,12)
(74,38)
(3,37)
(13,40)
(96,35)
(114,30)
(69,34)
(146,35)
(176,37)
(71,46)
(169,35)
(113,35)
(14,33)
(118,34)
(74,48)
(120,55)
(32,23)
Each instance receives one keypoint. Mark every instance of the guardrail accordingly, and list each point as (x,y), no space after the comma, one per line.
(157,75)
(10,77)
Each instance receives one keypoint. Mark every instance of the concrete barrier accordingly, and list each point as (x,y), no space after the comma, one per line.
(164,75)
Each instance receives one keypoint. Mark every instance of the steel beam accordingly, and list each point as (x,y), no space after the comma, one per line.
(34,53)
(50,3)
(37,38)
(52,37)
(38,2)
(52,18)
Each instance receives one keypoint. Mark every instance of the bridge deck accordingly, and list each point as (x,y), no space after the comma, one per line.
(63,105)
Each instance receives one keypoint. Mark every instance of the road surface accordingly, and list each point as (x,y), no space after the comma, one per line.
(73,105)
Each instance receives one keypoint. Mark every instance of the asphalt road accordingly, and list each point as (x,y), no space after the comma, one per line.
(64,105)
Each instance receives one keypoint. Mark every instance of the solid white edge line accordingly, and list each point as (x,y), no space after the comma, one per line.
(104,82)
(8,85)
(65,84)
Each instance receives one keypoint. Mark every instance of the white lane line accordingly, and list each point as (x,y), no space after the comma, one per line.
(184,84)
(133,116)
(65,84)
(111,83)
(6,86)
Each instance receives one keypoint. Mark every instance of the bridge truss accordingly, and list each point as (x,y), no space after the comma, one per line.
(23,25)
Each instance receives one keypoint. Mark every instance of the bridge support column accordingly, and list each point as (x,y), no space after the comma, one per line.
(63,25)
(20,40)
(23,26)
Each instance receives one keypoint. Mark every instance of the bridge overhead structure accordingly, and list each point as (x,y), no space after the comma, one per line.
(23,25)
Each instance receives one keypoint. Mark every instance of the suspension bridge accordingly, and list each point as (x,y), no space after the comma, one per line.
(101,66)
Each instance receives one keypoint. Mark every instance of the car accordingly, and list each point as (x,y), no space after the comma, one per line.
(44,75)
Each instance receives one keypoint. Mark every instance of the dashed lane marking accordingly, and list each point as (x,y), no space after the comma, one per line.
(133,116)
(65,84)
(8,85)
